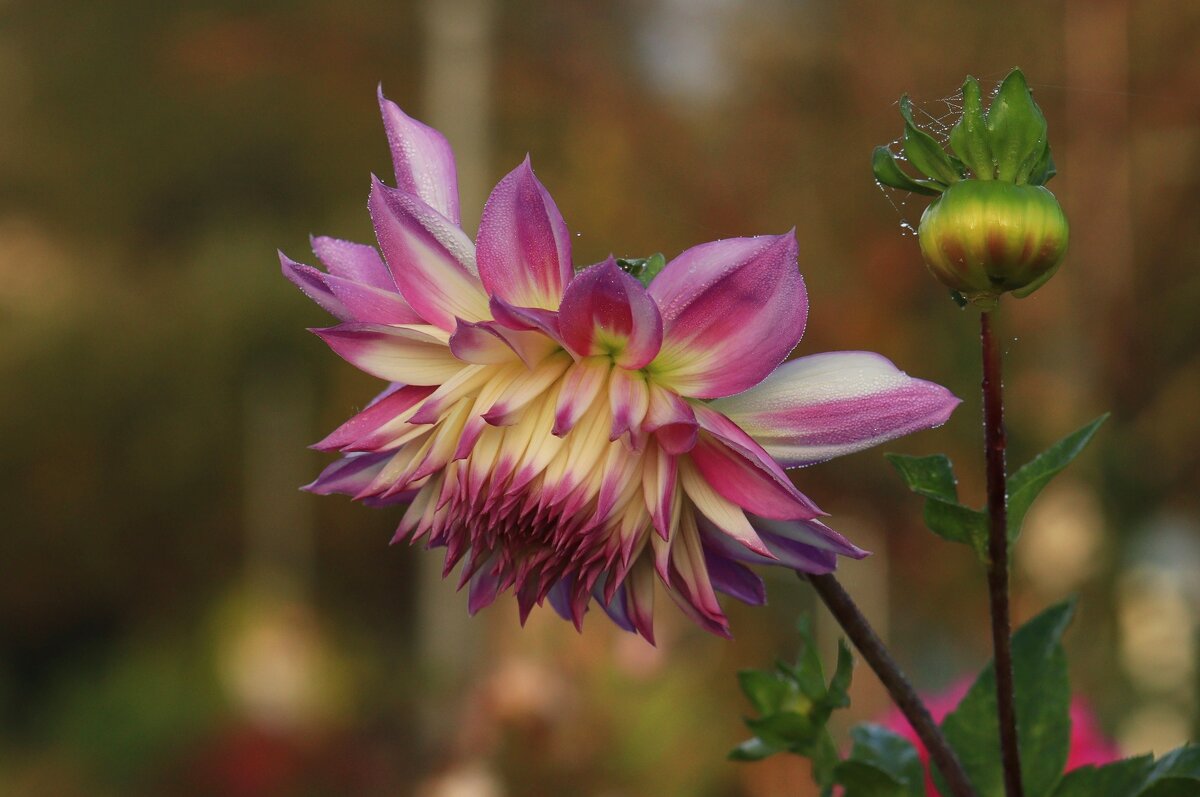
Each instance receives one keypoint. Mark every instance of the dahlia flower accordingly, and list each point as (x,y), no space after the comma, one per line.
(577,435)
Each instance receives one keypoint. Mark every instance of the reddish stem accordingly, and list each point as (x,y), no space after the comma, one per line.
(997,500)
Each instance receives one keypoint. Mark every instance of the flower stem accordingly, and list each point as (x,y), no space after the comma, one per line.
(997,500)
(871,647)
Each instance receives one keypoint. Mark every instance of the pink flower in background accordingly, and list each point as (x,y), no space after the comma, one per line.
(1089,745)
(580,436)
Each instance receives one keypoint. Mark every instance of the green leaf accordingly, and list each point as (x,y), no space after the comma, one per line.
(767,691)
(645,269)
(1118,779)
(785,729)
(838,695)
(969,137)
(1025,485)
(1043,701)
(1044,169)
(891,753)
(754,749)
(923,152)
(888,172)
(932,477)
(1016,130)
(861,779)
(1173,787)
(1183,762)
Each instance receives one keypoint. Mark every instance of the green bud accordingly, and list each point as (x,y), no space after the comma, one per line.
(984,238)
(993,227)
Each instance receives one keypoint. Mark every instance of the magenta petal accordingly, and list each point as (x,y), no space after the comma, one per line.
(380,412)
(742,472)
(524,249)
(409,354)
(374,305)
(671,420)
(431,260)
(822,406)
(354,262)
(480,344)
(314,284)
(349,475)
(606,311)
(423,159)
(525,318)
(734,579)
(732,310)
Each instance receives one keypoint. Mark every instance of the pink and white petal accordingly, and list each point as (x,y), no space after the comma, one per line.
(525,319)
(376,415)
(422,158)
(825,405)
(785,552)
(354,262)
(659,475)
(741,471)
(671,420)
(349,475)
(314,284)
(811,532)
(732,310)
(430,258)
(581,385)
(639,584)
(412,354)
(374,305)
(480,343)
(525,388)
(728,518)
(606,311)
(524,248)
(629,397)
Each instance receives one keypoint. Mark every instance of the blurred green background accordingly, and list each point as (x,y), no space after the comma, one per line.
(176,619)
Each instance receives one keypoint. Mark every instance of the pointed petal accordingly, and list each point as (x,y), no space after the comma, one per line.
(581,385)
(734,579)
(739,469)
(313,284)
(524,248)
(732,310)
(671,420)
(412,354)
(423,160)
(369,420)
(431,259)
(606,311)
(822,406)
(354,262)
(480,343)
(639,584)
(373,305)
(349,474)
(726,516)
(629,396)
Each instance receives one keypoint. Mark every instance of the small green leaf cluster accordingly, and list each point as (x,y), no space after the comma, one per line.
(932,477)
(645,269)
(1007,142)
(794,704)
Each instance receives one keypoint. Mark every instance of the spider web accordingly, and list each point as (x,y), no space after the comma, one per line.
(935,117)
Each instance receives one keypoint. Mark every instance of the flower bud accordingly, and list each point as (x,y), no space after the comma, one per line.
(993,226)
(983,238)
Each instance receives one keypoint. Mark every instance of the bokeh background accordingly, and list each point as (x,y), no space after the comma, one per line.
(177,619)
